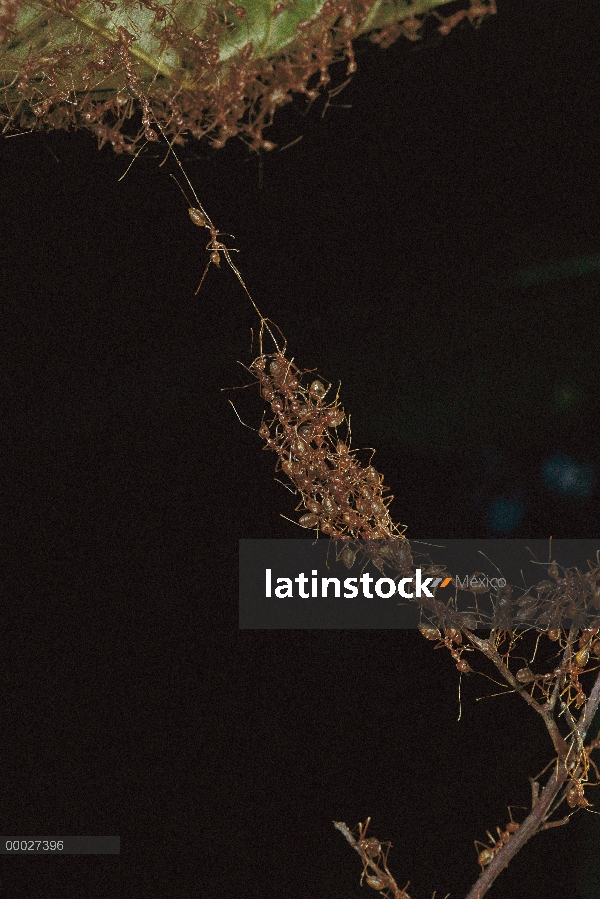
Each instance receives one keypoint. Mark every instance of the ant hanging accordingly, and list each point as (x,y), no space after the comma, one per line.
(200,217)
(488,853)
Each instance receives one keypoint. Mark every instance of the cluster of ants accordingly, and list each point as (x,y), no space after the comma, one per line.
(339,497)
(569,593)
(413,26)
(347,501)
(198,91)
(566,675)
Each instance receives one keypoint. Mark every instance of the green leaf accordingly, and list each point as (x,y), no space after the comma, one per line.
(208,66)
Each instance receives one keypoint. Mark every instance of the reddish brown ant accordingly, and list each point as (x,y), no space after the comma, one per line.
(488,852)
(374,858)
(200,217)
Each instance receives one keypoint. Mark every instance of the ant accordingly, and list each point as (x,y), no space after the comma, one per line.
(374,858)
(575,795)
(200,217)
(487,853)
(373,851)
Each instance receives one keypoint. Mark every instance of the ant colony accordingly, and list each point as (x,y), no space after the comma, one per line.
(339,497)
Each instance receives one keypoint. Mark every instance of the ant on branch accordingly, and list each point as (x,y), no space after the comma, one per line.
(451,636)
(488,853)
(375,851)
(579,776)
(374,858)
(578,779)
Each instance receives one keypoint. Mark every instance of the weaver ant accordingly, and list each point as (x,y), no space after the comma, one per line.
(451,636)
(374,858)
(487,853)
(580,775)
(375,851)
(200,217)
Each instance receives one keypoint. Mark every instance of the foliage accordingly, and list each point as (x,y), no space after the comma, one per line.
(217,69)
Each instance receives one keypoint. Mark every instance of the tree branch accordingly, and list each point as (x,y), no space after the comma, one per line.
(543,808)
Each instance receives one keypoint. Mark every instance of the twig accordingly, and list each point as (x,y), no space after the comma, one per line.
(543,808)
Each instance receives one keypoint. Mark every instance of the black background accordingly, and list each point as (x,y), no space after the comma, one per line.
(133,706)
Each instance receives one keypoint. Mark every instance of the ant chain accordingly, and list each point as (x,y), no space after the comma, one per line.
(200,217)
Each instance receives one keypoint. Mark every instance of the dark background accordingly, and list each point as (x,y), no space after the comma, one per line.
(132,704)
